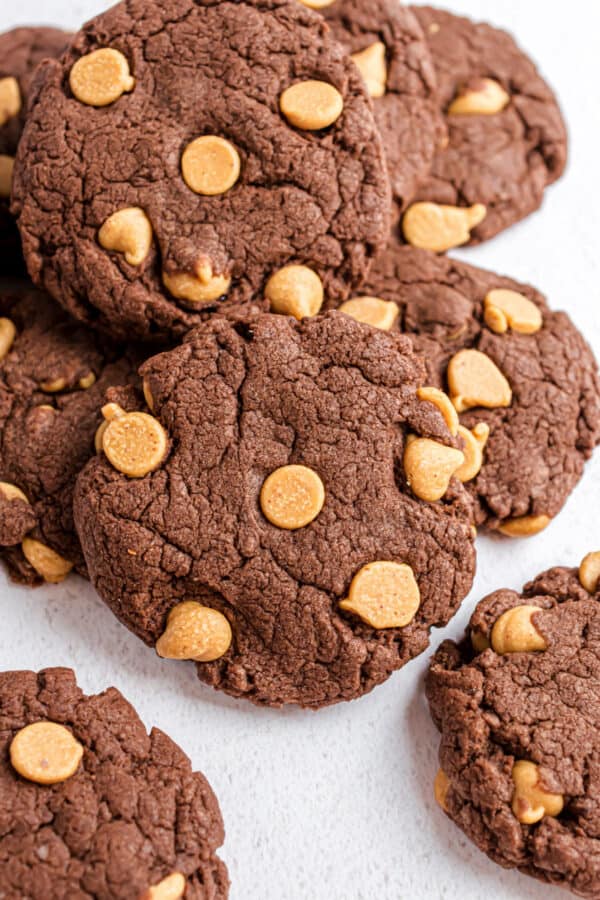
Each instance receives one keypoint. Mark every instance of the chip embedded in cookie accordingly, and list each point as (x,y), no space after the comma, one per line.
(245,144)
(303,530)
(517,707)
(93,805)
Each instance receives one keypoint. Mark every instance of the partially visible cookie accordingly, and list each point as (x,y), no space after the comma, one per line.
(389,47)
(54,375)
(21,51)
(93,806)
(256,516)
(507,138)
(518,708)
(523,379)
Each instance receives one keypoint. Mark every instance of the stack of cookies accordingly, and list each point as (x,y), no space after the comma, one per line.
(253,401)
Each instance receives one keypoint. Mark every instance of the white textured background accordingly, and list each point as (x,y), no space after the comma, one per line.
(337,805)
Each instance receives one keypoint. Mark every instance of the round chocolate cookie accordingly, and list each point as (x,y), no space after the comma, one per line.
(522,378)
(389,47)
(517,705)
(93,806)
(54,375)
(258,519)
(507,139)
(180,156)
(21,51)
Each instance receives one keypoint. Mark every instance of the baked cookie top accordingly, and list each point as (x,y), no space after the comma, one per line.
(257,517)
(518,710)
(507,140)
(93,806)
(54,375)
(389,47)
(523,379)
(193,150)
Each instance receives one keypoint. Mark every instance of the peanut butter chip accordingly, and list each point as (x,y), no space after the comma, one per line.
(589,572)
(148,395)
(292,497)
(443,403)
(475,380)
(170,888)
(384,595)
(128,231)
(7,164)
(372,311)
(514,632)
(441,786)
(474,442)
(12,492)
(210,165)
(479,641)
(204,287)
(373,68)
(52,567)
(87,381)
(530,801)
(195,632)
(504,309)
(134,443)
(8,333)
(429,466)
(317,4)
(10,99)
(295,291)
(101,77)
(53,386)
(45,752)
(311,105)
(524,526)
(483,97)
(99,437)
(431,226)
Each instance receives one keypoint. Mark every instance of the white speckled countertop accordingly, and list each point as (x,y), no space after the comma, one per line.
(337,805)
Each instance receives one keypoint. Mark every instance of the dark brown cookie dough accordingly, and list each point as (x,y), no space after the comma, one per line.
(520,726)
(54,375)
(235,405)
(502,160)
(188,73)
(21,51)
(537,446)
(388,44)
(126,812)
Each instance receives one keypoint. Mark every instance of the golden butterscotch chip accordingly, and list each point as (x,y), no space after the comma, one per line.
(441,786)
(292,496)
(317,4)
(195,632)
(12,492)
(128,231)
(45,752)
(475,380)
(134,443)
(53,385)
(99,437)
(515,632)
(531,802)
(436,227)
(589,572)
(10,99)
(295,291)
(429,466)
(474,442)
(311,105)
(7,164)
(504,309)
(372,311)
(479,641)
(524,526)
(101,77)
(484,97)
(384,595)
(170,888)
(204,287)
(373,68)
(210,165)
(148,395)
(51,566)
(444,404)
(8,333)
(87,381)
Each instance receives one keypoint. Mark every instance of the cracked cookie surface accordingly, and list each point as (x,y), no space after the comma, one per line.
(274,578)
(132,813)
(230,139)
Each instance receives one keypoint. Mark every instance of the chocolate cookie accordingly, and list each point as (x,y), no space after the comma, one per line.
(53,378)
(518,710)
(507,139)
(389,47)
(260,521)
(216,144)
(21,50)
(522,377)
(93,806)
